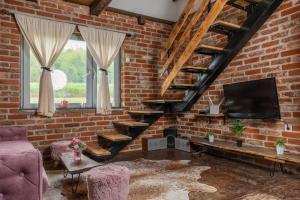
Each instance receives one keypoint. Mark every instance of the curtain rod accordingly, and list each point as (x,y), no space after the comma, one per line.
(129,34)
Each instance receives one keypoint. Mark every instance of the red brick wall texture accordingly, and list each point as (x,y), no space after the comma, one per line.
(139,75)
(273,52)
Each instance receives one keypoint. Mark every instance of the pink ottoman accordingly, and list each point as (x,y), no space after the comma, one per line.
(109,182)
(57,148)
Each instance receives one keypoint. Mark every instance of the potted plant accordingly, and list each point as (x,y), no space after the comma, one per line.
(211,136)
(280,147)
(238,129)
(77,146)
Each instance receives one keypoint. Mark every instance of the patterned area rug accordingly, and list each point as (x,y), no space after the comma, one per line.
(175,180)
(153,180)
(165,180)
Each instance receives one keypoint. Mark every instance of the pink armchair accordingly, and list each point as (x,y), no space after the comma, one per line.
(22,175)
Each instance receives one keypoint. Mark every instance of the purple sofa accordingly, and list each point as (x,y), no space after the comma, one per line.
(22,175)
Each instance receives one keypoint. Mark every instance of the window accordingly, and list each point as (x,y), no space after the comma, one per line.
(74,76)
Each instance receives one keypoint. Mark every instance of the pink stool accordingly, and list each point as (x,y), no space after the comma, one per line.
(109,182)
(57,148)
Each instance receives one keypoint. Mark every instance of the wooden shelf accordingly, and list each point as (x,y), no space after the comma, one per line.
(268,154)
(211,116)
(145,112)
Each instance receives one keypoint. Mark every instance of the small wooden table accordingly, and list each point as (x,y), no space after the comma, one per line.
(77,167)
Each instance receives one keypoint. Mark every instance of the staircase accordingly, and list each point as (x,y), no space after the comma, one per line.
(189,37)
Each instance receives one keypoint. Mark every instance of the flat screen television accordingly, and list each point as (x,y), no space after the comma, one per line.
(252,99)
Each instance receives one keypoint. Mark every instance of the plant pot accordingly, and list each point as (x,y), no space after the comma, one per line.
(280,149)
(211,138)
(239,143)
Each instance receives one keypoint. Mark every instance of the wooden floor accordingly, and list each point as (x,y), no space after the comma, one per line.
(234,180)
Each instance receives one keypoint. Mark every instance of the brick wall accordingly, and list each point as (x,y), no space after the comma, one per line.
(273,52)
(139,75)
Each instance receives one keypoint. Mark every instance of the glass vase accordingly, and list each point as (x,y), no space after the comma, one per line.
(77,154)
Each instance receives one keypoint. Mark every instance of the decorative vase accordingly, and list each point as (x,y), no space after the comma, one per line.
(239,143)
(77,154)
(211,138)
(280,149)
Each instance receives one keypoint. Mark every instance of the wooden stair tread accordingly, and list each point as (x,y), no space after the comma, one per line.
(205,46)
(131,124)
(227,25)
(95,150)
(162,101)
(208,49)
(182,86)
(194,69)
(115,137)
(145,112)
(242,4)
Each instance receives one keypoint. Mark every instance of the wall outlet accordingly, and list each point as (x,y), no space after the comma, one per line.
(288,127)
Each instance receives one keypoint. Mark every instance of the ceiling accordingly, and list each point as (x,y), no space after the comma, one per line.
(169,10)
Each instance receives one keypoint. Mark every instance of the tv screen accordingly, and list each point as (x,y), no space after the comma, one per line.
(252,99)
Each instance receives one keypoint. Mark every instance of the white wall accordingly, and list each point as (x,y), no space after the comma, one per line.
(162,9)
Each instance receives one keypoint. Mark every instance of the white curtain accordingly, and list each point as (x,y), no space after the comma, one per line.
(104,46)
(47,39)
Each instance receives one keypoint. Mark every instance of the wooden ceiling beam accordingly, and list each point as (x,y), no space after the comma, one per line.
(98,6)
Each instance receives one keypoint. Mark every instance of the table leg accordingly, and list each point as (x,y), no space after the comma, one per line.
(75,185)
(272,169)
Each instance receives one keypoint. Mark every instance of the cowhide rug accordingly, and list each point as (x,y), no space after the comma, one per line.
(150,180)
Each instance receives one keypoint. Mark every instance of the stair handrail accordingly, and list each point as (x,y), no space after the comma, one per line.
(178,26)
(185,35)
(194,42)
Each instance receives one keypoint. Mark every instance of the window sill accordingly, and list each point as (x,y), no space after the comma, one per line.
(68,110)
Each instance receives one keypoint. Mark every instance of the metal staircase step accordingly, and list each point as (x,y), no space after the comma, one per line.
(162,101)
(194,69)
(145,112)
(95,150)
(181,86)
(115,137)
(209,50)
(131,124)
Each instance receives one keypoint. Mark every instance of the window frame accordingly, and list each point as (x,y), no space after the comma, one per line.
(91,80)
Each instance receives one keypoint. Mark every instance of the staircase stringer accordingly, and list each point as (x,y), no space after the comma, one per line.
(178,26)
(192,45)
(185,35)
